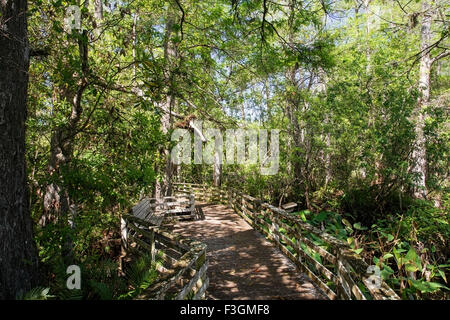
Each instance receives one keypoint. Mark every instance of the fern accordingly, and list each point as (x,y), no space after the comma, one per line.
(37,293)
(141,274)
(102,290)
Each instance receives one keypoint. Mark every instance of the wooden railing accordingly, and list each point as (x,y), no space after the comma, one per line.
(328,261)
(183,264)
(202,192)
(177,207)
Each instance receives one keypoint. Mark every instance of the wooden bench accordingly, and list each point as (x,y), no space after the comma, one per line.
(155,211)
(289,207)
(147,210)
(181,207)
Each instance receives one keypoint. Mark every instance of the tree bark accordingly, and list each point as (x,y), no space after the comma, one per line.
(298,128)
(419,153)
(163,187)
(58,205)
(18,254)
(98,16)
(56,199)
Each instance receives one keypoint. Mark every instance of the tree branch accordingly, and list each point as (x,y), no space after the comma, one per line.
(182,18)
(440,56)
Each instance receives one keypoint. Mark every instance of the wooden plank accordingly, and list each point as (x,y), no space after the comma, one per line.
(146,233)
(171,240)
(202,290)
(330,293)
(298,263)
(159,289)
(141,243)
(249,208)
(294,232)
(327,273)
(179,211)
(199,284)
(133,219)
(289,207)
(188,287)
(351,286)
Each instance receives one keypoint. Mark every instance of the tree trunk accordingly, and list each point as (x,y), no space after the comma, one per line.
(268,118)
(368,31)
(163,186)
(419,153)
(98,16)
(298,128)
(217,175)
(18,254)
(134,37)
(58,205)
(56,199)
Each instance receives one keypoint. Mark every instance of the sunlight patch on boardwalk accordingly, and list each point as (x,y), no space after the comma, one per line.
(242,263)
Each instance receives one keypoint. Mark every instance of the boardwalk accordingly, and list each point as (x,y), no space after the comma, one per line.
(242,263)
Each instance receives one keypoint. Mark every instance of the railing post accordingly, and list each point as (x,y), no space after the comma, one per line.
(192,204)
(275,229)
(124,233)
(342,289)
(152,244)
(257,204)
(124,242)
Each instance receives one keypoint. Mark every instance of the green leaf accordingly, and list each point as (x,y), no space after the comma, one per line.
(302,216)
(350,240)
(348,224)
(376,260)
(321,216)
(358,226)
(388,256)
(442,274)
(411,267)
(427,287)
(413,260)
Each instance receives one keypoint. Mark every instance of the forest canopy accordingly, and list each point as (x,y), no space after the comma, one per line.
(357,89)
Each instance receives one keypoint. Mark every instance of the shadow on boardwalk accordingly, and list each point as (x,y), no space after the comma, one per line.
(242,263)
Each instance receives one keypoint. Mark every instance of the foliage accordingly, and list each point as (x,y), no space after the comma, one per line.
(339,82)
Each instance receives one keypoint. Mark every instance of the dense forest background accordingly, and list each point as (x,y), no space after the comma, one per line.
(359,90)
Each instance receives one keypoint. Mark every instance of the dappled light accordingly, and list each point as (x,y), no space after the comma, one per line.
(242,264)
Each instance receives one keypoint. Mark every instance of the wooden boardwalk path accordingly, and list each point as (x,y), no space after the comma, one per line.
(242,263)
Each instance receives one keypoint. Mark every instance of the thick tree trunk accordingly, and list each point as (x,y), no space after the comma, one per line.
(419,154)
(163,186)
(298,128)
(18,254)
